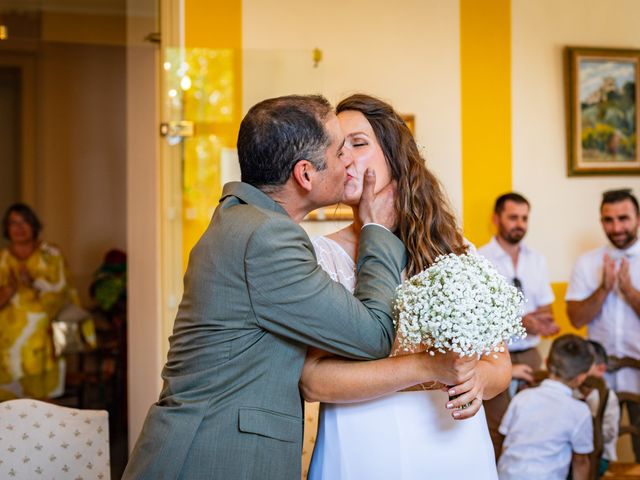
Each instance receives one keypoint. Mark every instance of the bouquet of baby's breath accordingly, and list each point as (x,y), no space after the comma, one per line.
(460,304)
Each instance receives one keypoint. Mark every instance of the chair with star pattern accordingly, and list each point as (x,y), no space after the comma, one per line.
(42,440)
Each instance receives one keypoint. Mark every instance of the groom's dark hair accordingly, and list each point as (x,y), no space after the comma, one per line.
(277,133)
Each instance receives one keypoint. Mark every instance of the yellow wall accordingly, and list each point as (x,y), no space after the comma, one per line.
(213,41)
(487,164)
(485,71)
(559,308)
(213,23)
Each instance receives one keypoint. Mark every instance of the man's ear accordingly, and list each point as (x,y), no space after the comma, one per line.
(303,172)
(495,219)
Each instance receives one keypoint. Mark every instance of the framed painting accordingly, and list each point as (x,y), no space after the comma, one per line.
(340,212)
(602,111)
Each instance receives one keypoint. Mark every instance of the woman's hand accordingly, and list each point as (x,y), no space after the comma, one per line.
(490,377)
(469,395)
(450,368)
(377,207)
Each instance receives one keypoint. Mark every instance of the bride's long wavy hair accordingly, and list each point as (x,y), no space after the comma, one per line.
(427,225)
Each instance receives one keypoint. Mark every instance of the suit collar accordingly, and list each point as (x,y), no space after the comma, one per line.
(251,195)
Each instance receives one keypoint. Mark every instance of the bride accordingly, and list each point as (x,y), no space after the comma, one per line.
(392,418)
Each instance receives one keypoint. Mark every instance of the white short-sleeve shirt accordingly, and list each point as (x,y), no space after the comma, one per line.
(616,326)
(532,273)
(543,426)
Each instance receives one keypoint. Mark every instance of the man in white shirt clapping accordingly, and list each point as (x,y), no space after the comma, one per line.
(604,291)
(527,270)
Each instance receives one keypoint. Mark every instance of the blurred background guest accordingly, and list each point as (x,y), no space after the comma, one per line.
(109,285)
(34,288)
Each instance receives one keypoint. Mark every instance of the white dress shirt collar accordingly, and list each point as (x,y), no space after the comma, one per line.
(557,386)
(629,252)
(495,244)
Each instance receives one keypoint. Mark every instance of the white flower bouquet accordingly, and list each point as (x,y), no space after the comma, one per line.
(460,304)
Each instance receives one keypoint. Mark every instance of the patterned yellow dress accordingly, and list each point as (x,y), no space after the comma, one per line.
(28,367)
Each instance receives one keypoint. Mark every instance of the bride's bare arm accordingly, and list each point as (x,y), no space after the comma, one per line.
(331,379)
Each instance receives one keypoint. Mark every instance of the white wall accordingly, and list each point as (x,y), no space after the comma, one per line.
(407,55)
(565,217)
(81,163)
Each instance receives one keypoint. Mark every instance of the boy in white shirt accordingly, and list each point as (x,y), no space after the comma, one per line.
(546,429)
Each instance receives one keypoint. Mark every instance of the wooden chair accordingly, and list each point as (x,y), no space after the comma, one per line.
(600,386)
(539,376)
(626,398)
(622,471)
(95,378)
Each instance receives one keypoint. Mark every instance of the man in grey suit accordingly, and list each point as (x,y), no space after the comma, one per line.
(255,298)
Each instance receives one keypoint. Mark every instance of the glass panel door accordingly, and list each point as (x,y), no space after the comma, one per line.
(204,94)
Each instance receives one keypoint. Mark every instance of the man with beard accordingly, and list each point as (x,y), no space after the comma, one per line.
(527,270)
(604,292)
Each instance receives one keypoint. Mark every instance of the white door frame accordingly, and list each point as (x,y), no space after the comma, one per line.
(144,325)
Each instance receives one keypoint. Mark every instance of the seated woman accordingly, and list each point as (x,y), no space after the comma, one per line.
(34,287)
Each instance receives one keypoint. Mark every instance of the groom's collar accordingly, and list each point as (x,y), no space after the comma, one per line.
(251,195)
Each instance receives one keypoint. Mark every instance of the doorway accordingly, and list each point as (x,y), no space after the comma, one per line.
(63,151)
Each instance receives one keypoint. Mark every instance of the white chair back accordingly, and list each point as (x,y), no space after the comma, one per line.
(42,440)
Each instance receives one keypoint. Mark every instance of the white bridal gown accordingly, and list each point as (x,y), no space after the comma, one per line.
(405,435)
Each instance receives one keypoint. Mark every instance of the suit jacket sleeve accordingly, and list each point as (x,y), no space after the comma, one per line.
(294,298)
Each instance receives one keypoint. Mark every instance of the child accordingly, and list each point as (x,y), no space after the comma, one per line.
(546,429)
(611,416)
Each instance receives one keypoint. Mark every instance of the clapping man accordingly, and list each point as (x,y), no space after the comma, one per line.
(604,292)
(527,270)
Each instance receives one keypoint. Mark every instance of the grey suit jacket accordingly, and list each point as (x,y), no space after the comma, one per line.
(254,300)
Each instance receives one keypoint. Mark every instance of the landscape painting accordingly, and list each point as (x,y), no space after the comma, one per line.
(603,113)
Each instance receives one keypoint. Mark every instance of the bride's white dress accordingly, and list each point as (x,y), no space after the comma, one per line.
(405,435)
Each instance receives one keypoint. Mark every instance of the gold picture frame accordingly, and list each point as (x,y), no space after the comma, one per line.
(340,212)
(603,121)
